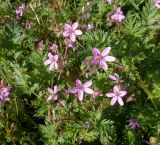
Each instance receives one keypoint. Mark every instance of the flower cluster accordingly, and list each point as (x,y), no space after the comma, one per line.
(99,59)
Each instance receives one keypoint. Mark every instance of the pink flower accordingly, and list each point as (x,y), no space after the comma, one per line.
(71,32)
(52,61)
(96,94)
(53,47)
(115,77)
(116,95)
(20,10)
(118,15)
(90,27)
(157,3)
(133,124)
(4,92)
(53,93)
(100,58)
(81,88)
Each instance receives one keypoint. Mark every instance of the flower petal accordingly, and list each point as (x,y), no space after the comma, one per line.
(106,51)
(121,17)
(50,90)
(55,98)
(51,66)
(55,57)
(109,58)
(110,94)
(66,34)
(87,84)
(112,77)
(48,61)
(67,27)
(116,89)
(114,17)
(50,97)
(88,90)
(120,101)
(80,95)
(78,83)
(73,37)
(75,25)
(74,90)
(78,32)
(55,65)
(50,55)
(103,65)
(122,93)
(55,89)
(96,51)
(113,101)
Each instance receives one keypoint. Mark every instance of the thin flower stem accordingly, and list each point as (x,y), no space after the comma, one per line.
(65,55)
(118,29)
(34,13)
(80,44)
(16,106)
(49,113)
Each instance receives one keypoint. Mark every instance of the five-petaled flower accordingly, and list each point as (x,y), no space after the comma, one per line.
(20,10)
(118,15)
(53,93)
(52,61)
(133,124)
(116,95)
(71,32)
(81,88)
(4,92)
(100,58)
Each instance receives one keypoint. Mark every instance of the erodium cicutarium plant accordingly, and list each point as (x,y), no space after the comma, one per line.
(77,72)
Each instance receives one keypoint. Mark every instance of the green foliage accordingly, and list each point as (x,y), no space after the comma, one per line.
(29,118)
